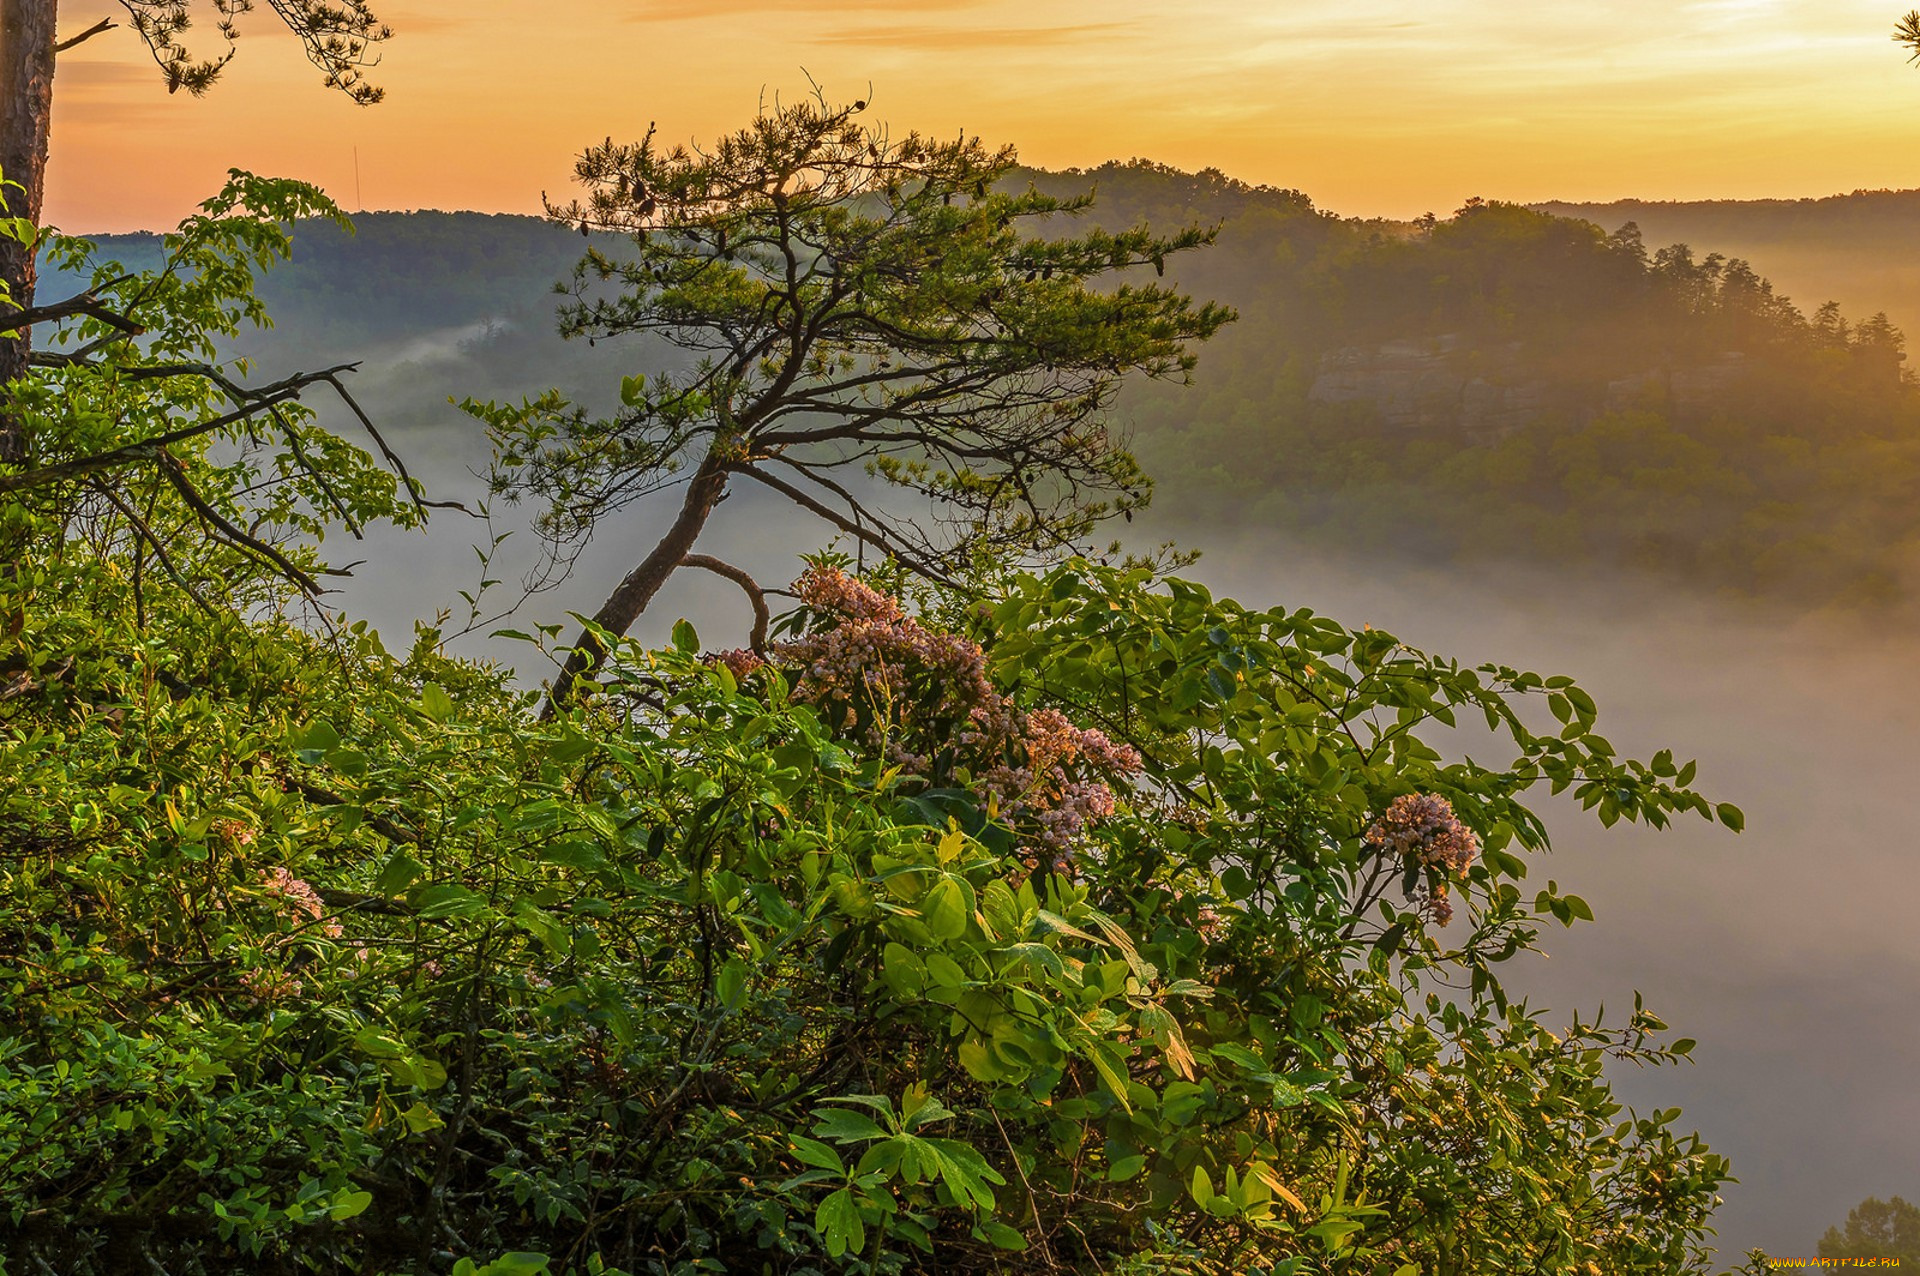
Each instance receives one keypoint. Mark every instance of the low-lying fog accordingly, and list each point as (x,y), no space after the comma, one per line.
(1789,952)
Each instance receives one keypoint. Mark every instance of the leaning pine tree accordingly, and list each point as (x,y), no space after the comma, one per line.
(847,299)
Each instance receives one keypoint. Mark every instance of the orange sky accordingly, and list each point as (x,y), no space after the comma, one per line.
(1388,107)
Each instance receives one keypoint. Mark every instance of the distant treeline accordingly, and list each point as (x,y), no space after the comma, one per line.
(1502,383)
(1650,407)
(1857,249)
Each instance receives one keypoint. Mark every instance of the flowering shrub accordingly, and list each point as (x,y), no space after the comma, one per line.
(719,985)
(924,699)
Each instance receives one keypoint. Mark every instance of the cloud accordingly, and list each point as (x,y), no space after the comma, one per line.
(84,77)
(691,10)
(939,39)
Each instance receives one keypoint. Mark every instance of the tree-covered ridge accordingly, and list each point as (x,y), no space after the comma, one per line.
(1507,384)
(1060,917)
(1500,384)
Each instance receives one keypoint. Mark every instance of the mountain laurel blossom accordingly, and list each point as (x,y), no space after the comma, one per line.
(918,694)
(1423,826)
(300,901)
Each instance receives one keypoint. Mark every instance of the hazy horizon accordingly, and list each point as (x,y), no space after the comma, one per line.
(1378,108)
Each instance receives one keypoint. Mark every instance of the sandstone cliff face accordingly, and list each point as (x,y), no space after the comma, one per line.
(1438,383)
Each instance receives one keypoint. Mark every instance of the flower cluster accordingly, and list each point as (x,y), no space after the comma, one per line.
(300,899)
(739,662)
(1423,826)
(878,672)
(1046,790)
(270,985)
(882,677)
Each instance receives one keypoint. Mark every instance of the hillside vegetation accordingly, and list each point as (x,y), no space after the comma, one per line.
(1054,916)
(1501,384)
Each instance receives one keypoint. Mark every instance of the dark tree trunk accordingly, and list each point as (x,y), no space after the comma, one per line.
(26,104)
(630,598)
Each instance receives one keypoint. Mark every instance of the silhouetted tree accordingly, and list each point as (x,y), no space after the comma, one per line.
(1876,1229)
(849,299)
(340,38)
(1907,32)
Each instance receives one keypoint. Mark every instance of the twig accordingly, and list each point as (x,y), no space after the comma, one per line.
(762,617)
(176,474)
(159,549)
(105,24)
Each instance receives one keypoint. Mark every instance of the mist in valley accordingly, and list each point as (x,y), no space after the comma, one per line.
(1787,951)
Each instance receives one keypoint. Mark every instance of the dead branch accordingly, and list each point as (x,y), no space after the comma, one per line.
(762,617)
(105,24)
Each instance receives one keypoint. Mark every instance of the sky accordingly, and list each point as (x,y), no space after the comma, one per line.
(1372,107)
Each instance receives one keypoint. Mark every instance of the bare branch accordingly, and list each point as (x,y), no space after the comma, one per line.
(105,24)
(176,474)
(762,617)
(158,546)
(874,536)
(84,304)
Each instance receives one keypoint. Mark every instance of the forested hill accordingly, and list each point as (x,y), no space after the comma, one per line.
(1504,383)
(1856,249)
(1510,384)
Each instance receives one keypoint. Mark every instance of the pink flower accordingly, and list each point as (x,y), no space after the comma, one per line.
(302,900)
(270,985)
(921,695)
(1423,826)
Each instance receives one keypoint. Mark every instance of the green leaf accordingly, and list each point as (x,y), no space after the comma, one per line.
(318,738)
(449,900)
(1201,1187)
(400,872)
(1731,816)
(348,1205)
(905,973)
(518,1263)
(1112,1067)
(1000,1235)
(685,640)
(817,1154)
(420,1118)
(731,984)
(838,1222)
(1238,1054)
(945,909)
(436,703)
(843,1126)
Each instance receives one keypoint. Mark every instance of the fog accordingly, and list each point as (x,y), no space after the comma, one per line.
(1788,951)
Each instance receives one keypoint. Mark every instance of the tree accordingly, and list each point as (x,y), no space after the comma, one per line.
(845,297)
(1907,32)
(340,39)
(1876,1229)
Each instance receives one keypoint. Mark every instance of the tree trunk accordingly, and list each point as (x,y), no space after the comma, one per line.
(630,598)
(26,104)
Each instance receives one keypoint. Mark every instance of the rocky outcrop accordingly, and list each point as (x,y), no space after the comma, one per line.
(1432,384)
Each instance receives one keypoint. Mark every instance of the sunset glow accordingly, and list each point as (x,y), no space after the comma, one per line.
(1373,107)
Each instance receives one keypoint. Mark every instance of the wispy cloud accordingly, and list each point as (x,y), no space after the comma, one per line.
(930,39)
(87,77)
(710,10)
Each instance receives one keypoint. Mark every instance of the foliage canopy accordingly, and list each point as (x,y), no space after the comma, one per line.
(1064,917)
